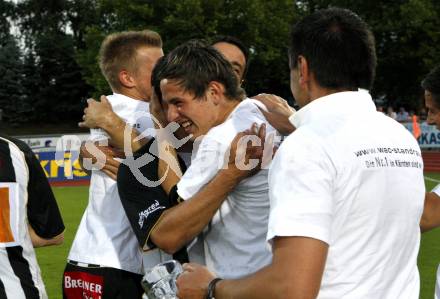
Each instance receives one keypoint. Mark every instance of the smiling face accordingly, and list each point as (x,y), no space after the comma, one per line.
(234,55)
(433,110)
(196,115)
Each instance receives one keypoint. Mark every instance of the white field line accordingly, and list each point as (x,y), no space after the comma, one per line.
(431,179)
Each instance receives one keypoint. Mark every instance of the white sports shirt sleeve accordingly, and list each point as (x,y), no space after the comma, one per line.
(312,202)
(204,167)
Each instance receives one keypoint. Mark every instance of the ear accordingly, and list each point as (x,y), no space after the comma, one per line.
(126,79)
(216,92)
(304,73)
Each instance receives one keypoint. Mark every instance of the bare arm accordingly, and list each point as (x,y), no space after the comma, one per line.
(182,223)
(37,241)
(93,156)
(295,272)
(431,212)
(100,115)
(277,112)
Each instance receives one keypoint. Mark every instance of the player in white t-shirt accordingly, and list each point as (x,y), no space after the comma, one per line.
(235,231)
(212,109)
(346,187)
(431,212)
(105,252)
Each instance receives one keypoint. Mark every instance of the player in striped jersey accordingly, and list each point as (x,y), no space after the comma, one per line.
(29,217)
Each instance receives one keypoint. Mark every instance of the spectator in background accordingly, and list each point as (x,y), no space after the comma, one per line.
(423,115)
(431,213)
(29,217)
(403,115)
(391,113)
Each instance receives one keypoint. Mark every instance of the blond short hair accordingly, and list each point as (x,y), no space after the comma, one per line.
(118,52)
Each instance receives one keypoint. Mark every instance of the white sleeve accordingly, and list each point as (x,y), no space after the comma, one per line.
(291,119)
(300,190)
(207,162)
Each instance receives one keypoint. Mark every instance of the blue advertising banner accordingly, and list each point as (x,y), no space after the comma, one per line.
(58,156)
(429,137)
(65,170)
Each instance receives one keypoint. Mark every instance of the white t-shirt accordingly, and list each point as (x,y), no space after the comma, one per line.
(235,239)
(352,178)
(104,236)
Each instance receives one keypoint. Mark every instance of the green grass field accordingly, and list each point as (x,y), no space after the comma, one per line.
(73,200)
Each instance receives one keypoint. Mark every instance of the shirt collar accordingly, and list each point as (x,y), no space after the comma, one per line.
(334,104)
(126,98)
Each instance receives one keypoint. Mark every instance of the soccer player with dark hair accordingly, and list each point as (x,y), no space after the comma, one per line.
(212,109)
(235,52)
(431,213)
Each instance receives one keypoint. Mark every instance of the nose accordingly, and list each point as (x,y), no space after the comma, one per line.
(172,113)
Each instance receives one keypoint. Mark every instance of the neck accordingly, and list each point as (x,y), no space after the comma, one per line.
(317,92)
(133,94)
(228,107)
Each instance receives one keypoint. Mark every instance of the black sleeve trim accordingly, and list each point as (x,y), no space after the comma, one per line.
(42,209)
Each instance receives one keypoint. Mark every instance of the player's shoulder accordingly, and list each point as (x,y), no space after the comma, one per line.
(244,115)
(22,146)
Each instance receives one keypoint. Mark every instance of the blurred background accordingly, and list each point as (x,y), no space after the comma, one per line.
(48,49)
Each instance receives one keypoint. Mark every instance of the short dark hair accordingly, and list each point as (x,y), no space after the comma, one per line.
(155,79)
(118,51)
(194,65)
(236,42)
(338,46)
(432,84)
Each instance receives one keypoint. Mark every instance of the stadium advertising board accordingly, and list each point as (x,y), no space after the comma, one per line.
(429,137)
(58,156)
(62,170)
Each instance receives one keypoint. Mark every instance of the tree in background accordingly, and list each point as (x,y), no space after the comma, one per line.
(11,69)
(406,33)
(55,86)
(61,41)
(262,25)
(405,30)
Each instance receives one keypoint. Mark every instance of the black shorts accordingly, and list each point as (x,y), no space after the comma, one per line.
(100,283)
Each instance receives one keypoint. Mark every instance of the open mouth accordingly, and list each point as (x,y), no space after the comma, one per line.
(186,125)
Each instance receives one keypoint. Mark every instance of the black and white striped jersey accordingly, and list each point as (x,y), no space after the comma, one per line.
(25,199)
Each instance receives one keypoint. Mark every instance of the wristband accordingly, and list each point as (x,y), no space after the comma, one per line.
(211,288)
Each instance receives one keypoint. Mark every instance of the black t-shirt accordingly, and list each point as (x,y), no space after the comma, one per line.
(42,209)
(144,203)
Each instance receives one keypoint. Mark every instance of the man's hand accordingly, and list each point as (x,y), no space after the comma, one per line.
(246,152)
(98,114)
(277,113)
(193,282)
(93,156)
